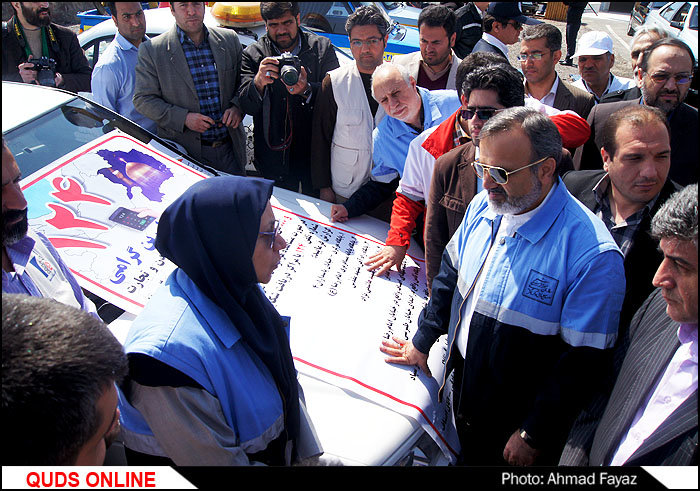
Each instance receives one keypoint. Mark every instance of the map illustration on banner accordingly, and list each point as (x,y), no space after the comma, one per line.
(99,206)
(322,280)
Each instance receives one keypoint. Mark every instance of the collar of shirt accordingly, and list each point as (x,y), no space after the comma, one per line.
(19,253)
(602,197)
(125,44)
(496,42)
(549,96)
(459,137)
(432,74)
(688,334)
(185,39)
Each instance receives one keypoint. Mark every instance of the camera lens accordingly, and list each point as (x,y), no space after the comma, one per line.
(289,75)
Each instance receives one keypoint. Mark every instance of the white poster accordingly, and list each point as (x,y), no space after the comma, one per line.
(99,206)
(340,312)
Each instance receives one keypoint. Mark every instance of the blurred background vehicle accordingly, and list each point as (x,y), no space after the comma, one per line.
(639,14)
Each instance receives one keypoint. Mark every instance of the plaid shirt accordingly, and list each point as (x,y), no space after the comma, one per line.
(623,232)
(200,60)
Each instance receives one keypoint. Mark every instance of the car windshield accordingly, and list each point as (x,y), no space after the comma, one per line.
(693,23)
(391,5)
(63,129)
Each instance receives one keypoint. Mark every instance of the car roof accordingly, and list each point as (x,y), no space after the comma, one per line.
(158,20)
(35,100)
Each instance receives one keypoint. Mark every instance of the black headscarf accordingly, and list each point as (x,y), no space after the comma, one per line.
(210,233)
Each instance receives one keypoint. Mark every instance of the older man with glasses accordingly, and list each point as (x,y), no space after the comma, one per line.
(529,294)
(664,77)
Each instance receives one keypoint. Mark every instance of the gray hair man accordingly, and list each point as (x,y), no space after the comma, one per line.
(524,264)
(651,415)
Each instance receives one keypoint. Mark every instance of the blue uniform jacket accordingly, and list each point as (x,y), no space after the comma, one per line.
(550,305)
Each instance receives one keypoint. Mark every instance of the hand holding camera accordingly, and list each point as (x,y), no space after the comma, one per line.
(40,71)
(285,67)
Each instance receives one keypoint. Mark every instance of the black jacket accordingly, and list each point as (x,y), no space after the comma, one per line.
(684,142)
(271,124)
(468,28)
(643,258)
(65,49)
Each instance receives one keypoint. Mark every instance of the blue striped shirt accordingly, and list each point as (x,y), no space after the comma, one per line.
(200,60)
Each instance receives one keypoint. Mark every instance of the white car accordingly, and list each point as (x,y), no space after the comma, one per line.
(63,142)
(679,20)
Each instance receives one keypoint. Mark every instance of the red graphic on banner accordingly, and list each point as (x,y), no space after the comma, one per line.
(75,192)
(65,218)
(60,242)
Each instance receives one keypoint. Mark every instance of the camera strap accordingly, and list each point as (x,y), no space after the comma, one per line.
(266,123)
(22,38)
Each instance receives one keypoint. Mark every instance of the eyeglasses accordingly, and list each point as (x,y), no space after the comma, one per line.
(499,174)
(482,114)
(371,42)
(662,77)
(532,56)
(272,235)
(516,25)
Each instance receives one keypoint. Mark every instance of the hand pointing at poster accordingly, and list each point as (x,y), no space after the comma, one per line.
(404,353)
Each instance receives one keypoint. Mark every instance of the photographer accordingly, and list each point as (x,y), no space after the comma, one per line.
(34,50)
(281,104)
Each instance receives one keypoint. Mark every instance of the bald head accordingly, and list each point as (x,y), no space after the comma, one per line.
(395,89)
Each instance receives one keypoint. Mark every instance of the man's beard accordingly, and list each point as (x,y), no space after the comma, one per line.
(515,205)
(32,16)
(656,101)
(17,231)
(287,42)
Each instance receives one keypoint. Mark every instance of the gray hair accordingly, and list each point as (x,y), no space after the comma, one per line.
(678,216)
(646,30)
(547,31)
(386,68)
(545,140)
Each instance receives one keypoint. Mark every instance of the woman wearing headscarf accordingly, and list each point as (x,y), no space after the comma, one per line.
(211,376)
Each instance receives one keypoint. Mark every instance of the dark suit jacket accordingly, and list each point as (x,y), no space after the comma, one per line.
(70,59)
(572,98)
(653,342)
(165,92)
(482,45)
(643,258)
(684,141)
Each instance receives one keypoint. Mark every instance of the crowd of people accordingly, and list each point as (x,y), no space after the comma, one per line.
(558,220)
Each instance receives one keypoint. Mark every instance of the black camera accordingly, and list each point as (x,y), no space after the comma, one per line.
(46,70)
(290,67)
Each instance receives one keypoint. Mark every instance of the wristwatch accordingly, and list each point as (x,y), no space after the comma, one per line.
(527,438)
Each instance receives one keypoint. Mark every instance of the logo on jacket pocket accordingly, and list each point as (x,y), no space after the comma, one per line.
(540,287)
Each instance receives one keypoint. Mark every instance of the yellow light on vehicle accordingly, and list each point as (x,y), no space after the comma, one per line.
(238,14)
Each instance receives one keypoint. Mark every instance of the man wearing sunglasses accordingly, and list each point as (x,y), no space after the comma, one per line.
(540,50)
(529,294)
(503,22)
(664,77)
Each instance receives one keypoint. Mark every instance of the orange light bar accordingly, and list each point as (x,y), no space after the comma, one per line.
(238,14)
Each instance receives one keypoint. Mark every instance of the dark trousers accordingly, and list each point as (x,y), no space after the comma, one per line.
(223,158)
(573,24)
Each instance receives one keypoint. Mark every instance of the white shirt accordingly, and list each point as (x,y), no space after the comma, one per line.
(614,83)
(496,42)
(548,99)
(679,381)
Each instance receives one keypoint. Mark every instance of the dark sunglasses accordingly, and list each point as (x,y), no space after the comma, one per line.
(499,174)
(272,235)
(482,114)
